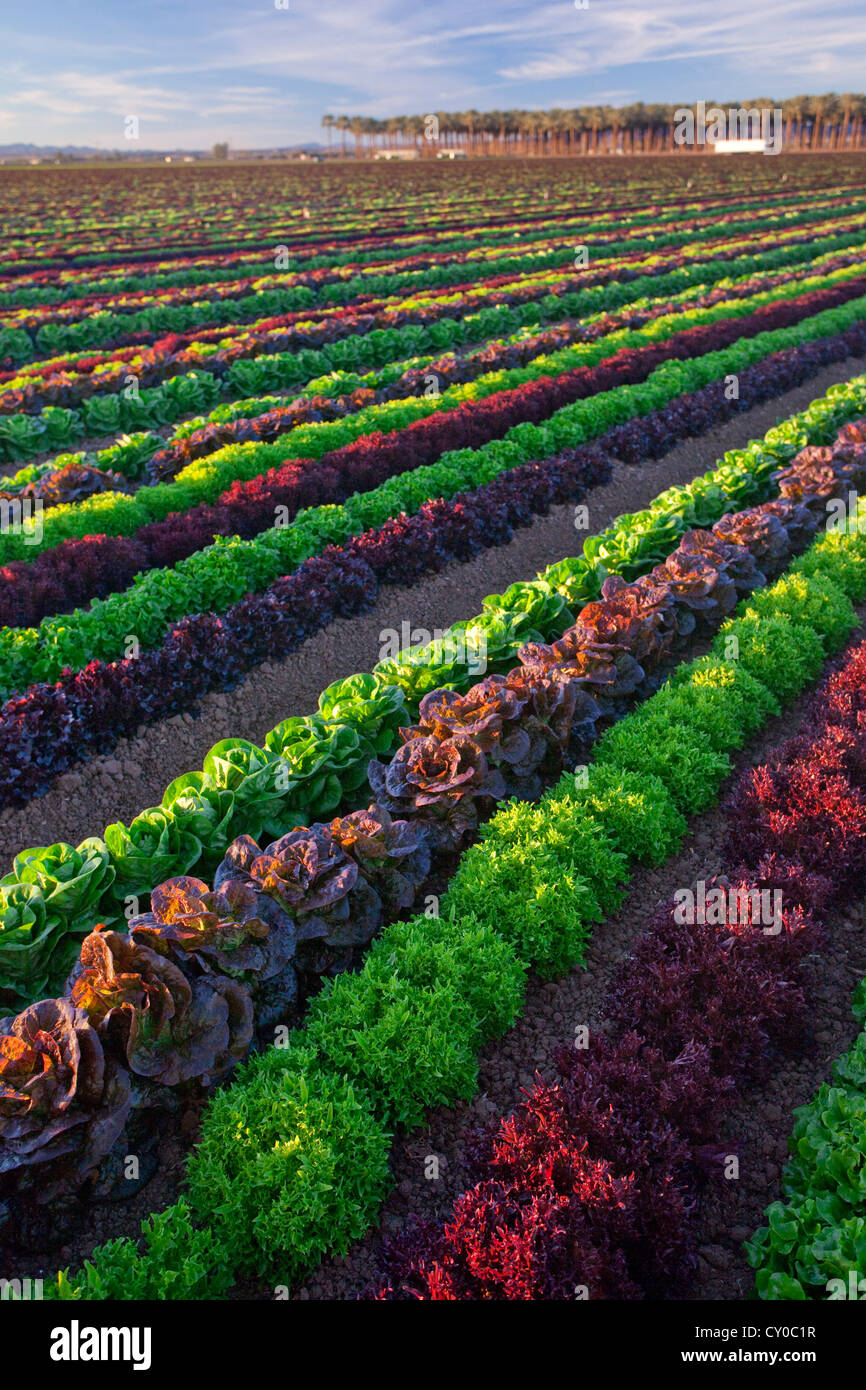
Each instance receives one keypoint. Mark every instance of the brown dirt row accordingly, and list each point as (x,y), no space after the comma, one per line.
(120,784)
(757,1130)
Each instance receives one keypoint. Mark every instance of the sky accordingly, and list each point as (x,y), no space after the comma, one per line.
(261,73)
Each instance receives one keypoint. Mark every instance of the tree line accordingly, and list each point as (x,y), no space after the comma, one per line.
(828,122)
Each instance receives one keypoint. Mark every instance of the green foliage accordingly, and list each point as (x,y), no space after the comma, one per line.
(49,902)
(690,770)
(540,876)
(840,558)
(291,1164)
(782,655)
(804,1245)
(178,1261)
(813,600)
(724,702)
(476,960)
(401,1030)
(819,1233)
(367,702)
(150,849)
(635,809)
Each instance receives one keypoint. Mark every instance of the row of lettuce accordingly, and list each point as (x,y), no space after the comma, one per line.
(591,1188)
(307,765)
(814,1243)
(293,1158)
(55,726)
(394,397)
(117,406)
(146,454)
(66,331)
(96,241)
(222,573)
(59,323)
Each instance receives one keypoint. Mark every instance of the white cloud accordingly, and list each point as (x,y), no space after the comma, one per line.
(260,75)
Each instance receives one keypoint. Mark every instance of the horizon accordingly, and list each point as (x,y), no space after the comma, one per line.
(77,79)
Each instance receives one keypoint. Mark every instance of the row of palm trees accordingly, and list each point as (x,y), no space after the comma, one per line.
(827,122)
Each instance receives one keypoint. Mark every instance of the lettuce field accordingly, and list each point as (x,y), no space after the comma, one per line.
(433,730)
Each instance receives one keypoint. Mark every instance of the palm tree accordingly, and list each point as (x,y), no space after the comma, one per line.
(357,127)
(817,122)
(847,102)
(415,129)
(819,106)
(833,114)
(791,115)
(558,128)
(470,120)
(801,105)
(597,117)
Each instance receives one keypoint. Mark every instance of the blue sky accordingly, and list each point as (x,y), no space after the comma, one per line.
(196,71)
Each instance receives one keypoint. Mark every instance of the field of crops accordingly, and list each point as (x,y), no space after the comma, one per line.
(433,730)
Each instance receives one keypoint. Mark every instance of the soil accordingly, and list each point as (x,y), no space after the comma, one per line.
(134,775)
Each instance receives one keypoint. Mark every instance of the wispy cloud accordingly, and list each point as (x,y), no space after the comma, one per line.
(246,71)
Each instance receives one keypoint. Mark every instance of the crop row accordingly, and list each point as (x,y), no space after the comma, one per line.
(266,418)
(345,393)
(65,330)
(53,726)
(78,376)
(85,234)
(333,476)
(811,803)
(193,439)
(701,1010)
(23,435)
(441,419)
(529,714)
(175,285)
(308,765)
(292,1160)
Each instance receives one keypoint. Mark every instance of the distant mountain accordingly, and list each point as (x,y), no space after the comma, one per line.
(30,151)
(26,150)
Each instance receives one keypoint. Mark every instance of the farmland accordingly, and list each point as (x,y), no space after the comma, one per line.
(432,764)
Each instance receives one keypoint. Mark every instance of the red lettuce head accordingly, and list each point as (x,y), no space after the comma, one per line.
(393,856)
(439,781)
(735,560)
(62,1103)
(809,483)
(167,1028)
(699,584)
(853,433)
(760,532)
(604,669)
(313,879)
(234,930)
(798,521)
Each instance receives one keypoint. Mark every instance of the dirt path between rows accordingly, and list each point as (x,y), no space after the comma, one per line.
(135,774)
